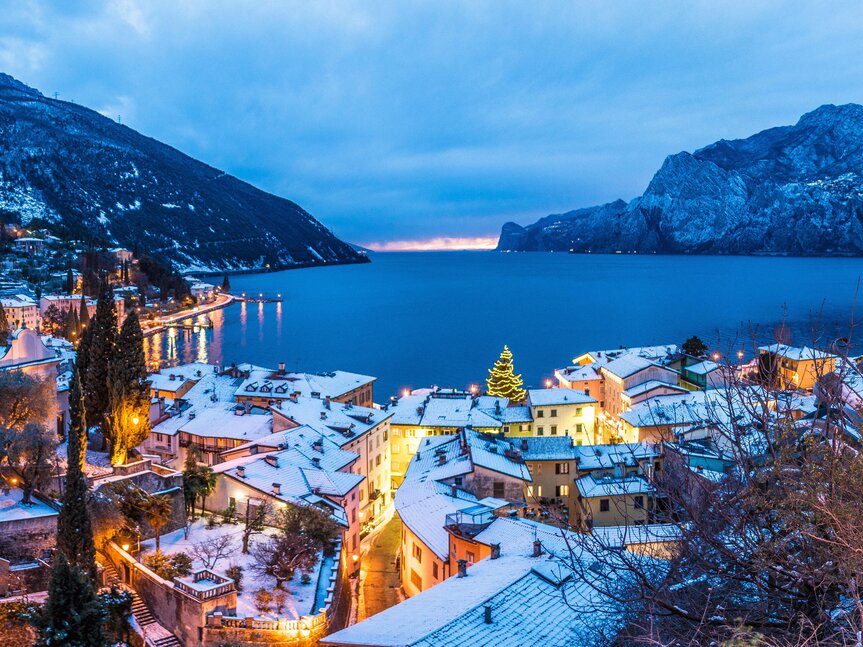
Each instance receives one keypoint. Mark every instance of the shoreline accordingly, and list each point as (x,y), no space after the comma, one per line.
(264,270)
(182,316)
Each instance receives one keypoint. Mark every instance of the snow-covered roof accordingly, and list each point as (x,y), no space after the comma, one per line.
(623,536)
(796,353)
(603,457)
(580,373)
(533,600)
(288,477)
(341,423)
(496,453)
(628,365)
(547,448)
(557,396)
(702,368)
(18,301)
(651,385)
(306,446)
(449,410)
(658,354)
(334,383)
(591,486)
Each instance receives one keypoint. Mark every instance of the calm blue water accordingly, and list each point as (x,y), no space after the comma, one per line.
(415,319)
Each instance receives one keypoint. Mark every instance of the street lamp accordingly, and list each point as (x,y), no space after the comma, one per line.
(135,420)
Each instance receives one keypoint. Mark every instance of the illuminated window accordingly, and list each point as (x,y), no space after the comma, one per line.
(416,580)
(562,490)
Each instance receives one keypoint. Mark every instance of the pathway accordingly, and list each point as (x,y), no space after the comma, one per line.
(380,587)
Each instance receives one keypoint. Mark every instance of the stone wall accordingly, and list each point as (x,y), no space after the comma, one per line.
(179,612)
(23,540)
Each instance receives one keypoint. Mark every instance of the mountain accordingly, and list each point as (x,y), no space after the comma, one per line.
(91,177)
(792,190)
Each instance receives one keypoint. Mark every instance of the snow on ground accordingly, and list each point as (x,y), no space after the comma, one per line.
(97,463)
(301,597)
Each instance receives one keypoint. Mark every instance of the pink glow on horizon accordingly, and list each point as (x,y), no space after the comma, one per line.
(434,244)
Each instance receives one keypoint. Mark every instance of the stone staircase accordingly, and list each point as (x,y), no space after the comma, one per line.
(154,633)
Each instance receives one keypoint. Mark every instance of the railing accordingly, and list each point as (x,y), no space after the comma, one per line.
(221,585)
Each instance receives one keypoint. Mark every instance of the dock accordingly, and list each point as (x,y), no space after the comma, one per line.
(261,297)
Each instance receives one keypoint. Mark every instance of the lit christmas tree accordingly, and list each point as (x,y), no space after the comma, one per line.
(502,380)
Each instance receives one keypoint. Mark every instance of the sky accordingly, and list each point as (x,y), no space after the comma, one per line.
(430,124)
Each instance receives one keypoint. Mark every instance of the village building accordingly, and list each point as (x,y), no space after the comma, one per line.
(21,312)
(29,245)
(470,471)
(122,255)
(266,386)
(202,292)
(795,367)
(302,471)
(561,412)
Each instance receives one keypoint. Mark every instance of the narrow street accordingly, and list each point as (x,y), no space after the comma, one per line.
(380,588)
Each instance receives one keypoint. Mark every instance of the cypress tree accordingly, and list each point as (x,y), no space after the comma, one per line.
(83,313)
(73,329)
(102,337)
(70,281)
(129,391)
(4,327)
(226,284)
(74,530)
(72,615)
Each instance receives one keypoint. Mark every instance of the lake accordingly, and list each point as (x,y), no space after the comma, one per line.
(418,318)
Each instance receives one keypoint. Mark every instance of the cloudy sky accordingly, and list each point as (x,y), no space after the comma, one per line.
(439,121)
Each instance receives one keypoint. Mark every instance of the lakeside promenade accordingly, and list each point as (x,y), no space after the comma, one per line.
(222,301)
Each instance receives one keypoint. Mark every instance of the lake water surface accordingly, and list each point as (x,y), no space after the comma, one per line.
(420,318)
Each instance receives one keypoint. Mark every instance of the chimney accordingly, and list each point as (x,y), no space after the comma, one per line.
(316,462)
(241,471)
(495,551)
(277,489)
(462,568)
(454,491)
(323,415)
(487,614)
(327,402)
(318,445)
(272,461)
(281,368)
(537,548)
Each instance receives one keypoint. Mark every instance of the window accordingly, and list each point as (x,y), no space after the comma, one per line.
(386,435)
(418,554)
(506,429)
(416,580)
(604,505)
(554,430)
(578,411)
(355,541)
(639,502)
(362,494)
(562,490)
(378,461)
(538,490)
(540,413)
(579,428)
(554,413)
(397,467)
(561,468)
(232,503)
(539,468)
(529,491)
(470,557)
(540,431)
(353,515)
(498,489)
(434,571)
(458,481)
(396,433)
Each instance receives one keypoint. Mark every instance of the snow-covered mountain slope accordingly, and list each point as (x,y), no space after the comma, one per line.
(95,178)
(794,190)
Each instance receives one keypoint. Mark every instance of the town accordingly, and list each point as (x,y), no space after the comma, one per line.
(212,504)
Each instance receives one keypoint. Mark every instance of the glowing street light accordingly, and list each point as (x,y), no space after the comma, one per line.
(548,384)
(135,420)
(715,357)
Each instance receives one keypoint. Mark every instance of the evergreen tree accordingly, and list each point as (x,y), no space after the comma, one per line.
(70,281)
(101,337)
(83,313)
(694,346)
(72,615)
(502,380)
(128,417)
(226,284)
(73,328)
(74,530)
(4,327)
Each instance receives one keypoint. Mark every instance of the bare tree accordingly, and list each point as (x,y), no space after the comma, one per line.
(213,550)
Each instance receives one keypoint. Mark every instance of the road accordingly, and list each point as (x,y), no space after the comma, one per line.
(380,587)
